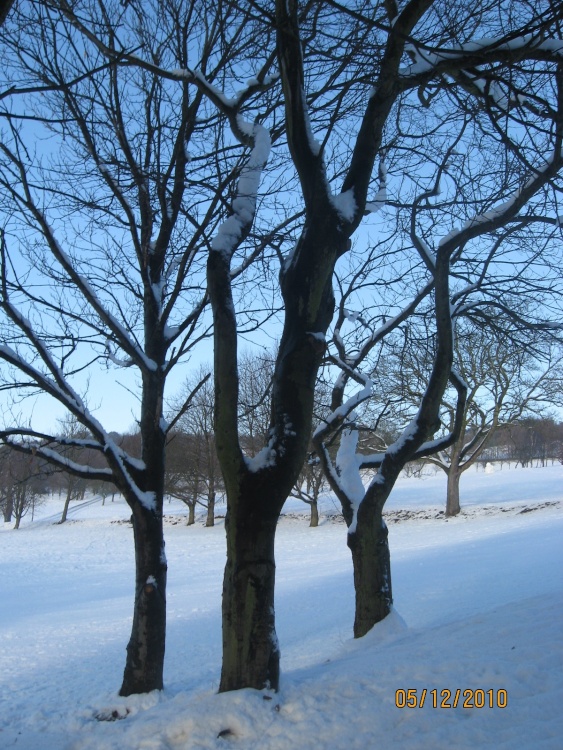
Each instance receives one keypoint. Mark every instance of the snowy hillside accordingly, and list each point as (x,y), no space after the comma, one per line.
(478,607)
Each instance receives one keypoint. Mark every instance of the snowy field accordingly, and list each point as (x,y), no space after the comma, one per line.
(478,607)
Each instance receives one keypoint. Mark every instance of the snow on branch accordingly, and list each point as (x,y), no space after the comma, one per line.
(477,52)
(55,386)
(68,464)
(345,204)
(347,464)
(229,106)
(238,224)
(380,199)
(128,344)
(32,436)
(74,403)
(36,444)
(508,209)
(346,409)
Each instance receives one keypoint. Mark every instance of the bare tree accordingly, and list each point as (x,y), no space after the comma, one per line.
(183,471)
(363,86)
(311,482)
(309,486)
(22,484)
(319,88)
(463,217)
(193,474)
(532,438)
(105,236)
(504,384)
(73,486)
(255,373)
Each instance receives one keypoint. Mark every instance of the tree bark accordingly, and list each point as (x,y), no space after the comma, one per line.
(250,645)
(5,6)
(452,501)
(191,513)
(18,512)
(372,569)
(145,650)
(67,500)
(314,514)
(9,506)
(144,665)
(210,521)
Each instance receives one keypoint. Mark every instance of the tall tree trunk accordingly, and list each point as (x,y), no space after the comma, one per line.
(255,496)
(191,513)
(19,505)
(250,645)
(210,521)
(145,650)
(144,665)
(9,506)
(314,522)
(372,569)
(452,501)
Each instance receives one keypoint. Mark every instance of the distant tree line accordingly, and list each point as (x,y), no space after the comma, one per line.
(194,477)
(529,440)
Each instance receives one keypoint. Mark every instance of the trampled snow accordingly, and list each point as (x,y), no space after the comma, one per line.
(478,606)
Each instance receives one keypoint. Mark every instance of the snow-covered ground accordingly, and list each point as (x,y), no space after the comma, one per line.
(478,606)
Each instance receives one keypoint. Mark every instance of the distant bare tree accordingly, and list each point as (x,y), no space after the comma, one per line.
(533,439)
(504,384)
(193,474)
(22,484)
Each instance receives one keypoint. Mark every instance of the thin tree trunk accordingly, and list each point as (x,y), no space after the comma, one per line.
(19,505)
(18,513)
(210,509)
(191,513)
(452,500)
(372,570)
(9,507)
(314,514)
(250,646)
(145,651)
(67,503)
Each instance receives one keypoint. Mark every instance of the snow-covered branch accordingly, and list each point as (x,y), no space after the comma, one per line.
(509,208)
(235,228)
(486,51)
(339,415)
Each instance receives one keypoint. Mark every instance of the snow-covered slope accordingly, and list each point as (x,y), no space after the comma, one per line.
(478,606)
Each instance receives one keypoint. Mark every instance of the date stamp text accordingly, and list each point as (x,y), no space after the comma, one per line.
(469,698)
